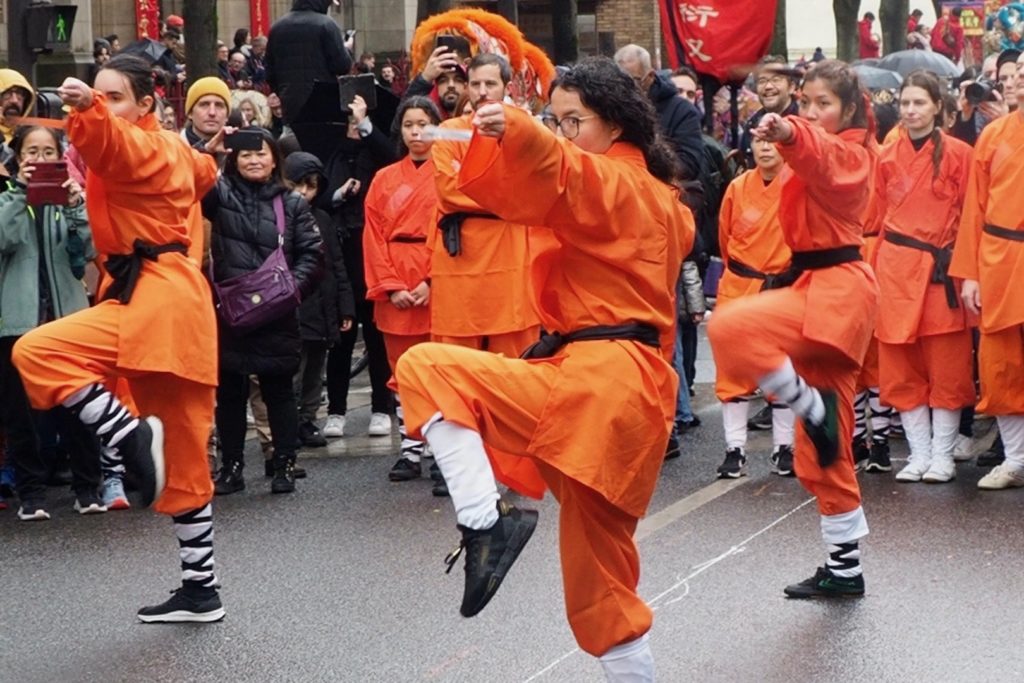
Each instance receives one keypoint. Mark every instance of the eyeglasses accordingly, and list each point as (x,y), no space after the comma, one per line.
(778,79)
(570,125)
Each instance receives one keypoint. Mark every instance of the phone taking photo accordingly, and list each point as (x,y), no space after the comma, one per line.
(46,186)
(244,140)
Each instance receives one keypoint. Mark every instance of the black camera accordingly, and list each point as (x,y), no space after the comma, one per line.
(982,90)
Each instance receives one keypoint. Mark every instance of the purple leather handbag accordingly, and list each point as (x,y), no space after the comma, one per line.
(252,300)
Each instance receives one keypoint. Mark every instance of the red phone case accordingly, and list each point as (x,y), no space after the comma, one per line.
(44,187)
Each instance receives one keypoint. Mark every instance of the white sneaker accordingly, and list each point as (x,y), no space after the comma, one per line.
(1003,476)
(335,427)
(914,470)
(380,425)
(940,471)
(963,448)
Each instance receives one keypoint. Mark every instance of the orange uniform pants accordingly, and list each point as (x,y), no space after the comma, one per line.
(768,328)
(503,399)
(933,371)
(870,371)
(510,344)
(1001,367)
(61,357)
(398,344)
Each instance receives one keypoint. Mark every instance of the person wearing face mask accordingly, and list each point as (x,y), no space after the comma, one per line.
(247,208)
(587,411)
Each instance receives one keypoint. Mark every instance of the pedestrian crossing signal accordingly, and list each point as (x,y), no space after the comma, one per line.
(48,27)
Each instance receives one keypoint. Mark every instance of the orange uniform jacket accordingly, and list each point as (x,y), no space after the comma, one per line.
(994,193)
(823,208)
(401,206)
(152,169)
(926,208)
(484,290)
(749,232)
(612,256)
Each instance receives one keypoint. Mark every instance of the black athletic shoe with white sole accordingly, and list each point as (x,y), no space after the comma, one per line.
(879,460)
(182,607)
(783,461)
(734,465)
(142,452)
(33,510)
(89,503)
(490,553)
(824,584)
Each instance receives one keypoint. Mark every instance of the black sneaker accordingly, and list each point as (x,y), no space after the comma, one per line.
(879,460)
(993,456)
(284,479)
(826,585)
(762,420)
(734,465)
(861,454)
(229,480)
(672,450)
(825,436)
(142,452)
(490,554)
(435,472)
(783,461)
(405,470)
(440,488)
(310,436)
(181,607)
(33,510)
(88,502)
(687,425)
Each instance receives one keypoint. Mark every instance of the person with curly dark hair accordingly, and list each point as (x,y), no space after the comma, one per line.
(587,410)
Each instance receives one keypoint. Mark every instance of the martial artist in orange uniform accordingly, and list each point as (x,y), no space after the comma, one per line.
(589,410)
(989,255)
(480,270)
(924,334)
(755,253)
(401,207)
(819,327)
(142,190)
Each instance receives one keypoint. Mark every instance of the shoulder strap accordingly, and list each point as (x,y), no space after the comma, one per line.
(279,213)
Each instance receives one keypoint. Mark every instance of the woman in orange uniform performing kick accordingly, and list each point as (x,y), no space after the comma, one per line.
(142,192)
(588,410)
(805,344)
(923,332)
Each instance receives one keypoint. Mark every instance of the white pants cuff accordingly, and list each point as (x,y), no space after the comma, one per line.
(917,425)
(734,421)
(630,662)
(845,527)
(1011,427)
(783,420)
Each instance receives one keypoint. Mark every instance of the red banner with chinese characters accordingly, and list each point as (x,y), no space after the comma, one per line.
(147,19)
(259,17)
(720,38)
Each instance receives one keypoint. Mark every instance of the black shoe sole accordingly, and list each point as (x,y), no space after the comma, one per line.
(525,527)
(148,468)
(440,490)
(804,594)
(404,475)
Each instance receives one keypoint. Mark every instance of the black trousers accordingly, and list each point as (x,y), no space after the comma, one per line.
(282,412)
(339,359)
(688,335)
(32,463)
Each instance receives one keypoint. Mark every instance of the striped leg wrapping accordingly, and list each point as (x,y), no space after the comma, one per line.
(195,542)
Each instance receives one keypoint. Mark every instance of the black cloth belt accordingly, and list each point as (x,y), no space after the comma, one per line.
(942,257)
(770,280)
(409,239)
(451,228)
(549,344)
(1005,233)
(824,258)
(125,269)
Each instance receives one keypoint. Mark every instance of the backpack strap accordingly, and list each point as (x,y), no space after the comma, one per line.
(279,216)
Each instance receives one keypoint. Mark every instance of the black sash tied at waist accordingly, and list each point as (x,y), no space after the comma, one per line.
(942,257)
(802,261)
(769,280)
(451,228)
(409,239)
(125,269)
(549,344)
(1004,233)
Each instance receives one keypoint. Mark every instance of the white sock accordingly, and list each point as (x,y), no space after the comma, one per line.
(917,425)
(1011,427)
(860,415)
(411,449)
(460,454)
(734,420)
(782,426)
(945,429)
(630,662)
(791,389)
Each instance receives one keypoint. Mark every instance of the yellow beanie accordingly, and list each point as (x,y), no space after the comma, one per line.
(210,85)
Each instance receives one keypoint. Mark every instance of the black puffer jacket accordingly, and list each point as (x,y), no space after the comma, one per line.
(244,234)
(680,124)
(304,45)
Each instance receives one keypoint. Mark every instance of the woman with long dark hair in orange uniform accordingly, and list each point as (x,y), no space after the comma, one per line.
(923,332)
(401,209)
(588,410)
(142,192)
(805,344)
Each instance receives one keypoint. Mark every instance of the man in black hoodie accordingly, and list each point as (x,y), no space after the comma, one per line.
(304,46)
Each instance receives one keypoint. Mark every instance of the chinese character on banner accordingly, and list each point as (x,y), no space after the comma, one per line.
(147,19)
(720,38)
(259,17)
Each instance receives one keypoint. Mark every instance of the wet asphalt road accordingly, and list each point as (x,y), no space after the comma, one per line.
(344,581)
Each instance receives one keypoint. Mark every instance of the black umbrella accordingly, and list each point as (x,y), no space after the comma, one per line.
(147,48)
(874,78)
(905,61)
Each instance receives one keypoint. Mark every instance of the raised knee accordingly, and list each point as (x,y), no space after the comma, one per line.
(24,351)
(414,357)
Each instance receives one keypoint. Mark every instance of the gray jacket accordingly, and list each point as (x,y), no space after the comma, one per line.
(23,240)
(692,299)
